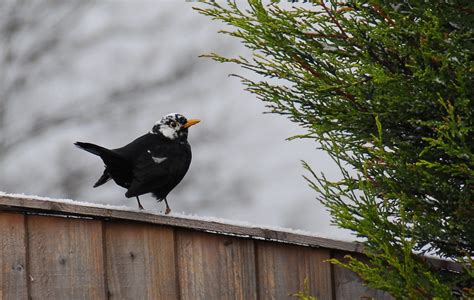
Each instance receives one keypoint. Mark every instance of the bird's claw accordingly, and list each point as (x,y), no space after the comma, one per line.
(167,211)
(140,207)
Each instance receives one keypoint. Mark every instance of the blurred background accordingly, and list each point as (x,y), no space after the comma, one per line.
(105,72)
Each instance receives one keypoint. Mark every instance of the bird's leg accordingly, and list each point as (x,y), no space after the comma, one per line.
(139,204)
(168,210)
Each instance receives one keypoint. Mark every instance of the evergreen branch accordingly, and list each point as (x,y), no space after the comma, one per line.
(326,36)
(380,11)
(333,18)
(410,184)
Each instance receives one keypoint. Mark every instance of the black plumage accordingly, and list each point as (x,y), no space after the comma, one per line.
(153,163)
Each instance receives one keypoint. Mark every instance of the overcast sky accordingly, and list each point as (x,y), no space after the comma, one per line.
(105,72)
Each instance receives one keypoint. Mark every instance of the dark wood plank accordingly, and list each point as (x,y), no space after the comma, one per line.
(215,267)
(25,204)
(65,258)
(283,268)
(53,207)
(348,285)
(13,276)
(140,261)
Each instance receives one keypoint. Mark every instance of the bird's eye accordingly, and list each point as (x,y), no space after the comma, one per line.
(173,124)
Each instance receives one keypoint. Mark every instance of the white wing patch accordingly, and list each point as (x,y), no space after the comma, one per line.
(159,160)
(156,159)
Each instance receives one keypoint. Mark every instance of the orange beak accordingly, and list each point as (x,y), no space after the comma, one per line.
(191,122)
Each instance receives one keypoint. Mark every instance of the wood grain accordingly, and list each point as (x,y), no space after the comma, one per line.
(215,267)
(83,252)
(282,270)
(13,283)
(44,206)
(140,261)
(348,285)
(65,258)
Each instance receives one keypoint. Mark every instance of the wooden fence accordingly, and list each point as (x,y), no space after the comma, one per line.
(54,250)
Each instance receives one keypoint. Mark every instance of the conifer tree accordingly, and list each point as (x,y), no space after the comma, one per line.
(386,88)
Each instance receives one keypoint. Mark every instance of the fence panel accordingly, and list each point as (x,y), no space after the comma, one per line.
(283,268)
(140,261)
(13,275)
(348,285)
(215,266)
(65,258)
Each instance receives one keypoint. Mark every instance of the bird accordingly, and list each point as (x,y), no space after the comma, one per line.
(156,162)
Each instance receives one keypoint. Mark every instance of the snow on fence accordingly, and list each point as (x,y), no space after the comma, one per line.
(71,250)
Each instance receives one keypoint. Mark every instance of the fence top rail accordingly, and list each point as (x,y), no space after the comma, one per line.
(37,205)
(70,208)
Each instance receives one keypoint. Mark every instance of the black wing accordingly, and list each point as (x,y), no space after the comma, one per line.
(159,169)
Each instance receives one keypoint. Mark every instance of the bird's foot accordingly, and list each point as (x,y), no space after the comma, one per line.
(168,210)
(140,207)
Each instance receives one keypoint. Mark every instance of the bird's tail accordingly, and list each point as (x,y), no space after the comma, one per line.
(103,179)
(110,158)
(92,148)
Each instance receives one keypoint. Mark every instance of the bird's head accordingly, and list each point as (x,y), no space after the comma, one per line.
(174,126)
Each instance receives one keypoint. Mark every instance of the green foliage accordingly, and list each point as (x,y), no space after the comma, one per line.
(305,293)
(386,89)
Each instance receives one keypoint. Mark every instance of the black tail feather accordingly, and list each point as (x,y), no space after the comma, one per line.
(103,179)
(116,166)
(92,148)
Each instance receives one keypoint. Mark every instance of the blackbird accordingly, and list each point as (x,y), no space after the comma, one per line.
(153,163)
